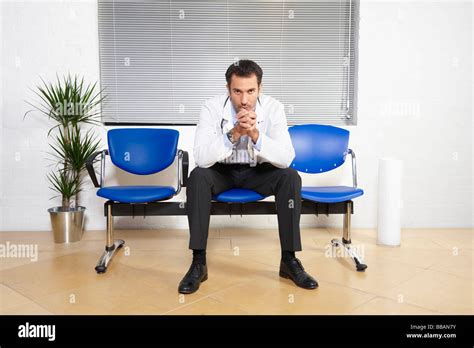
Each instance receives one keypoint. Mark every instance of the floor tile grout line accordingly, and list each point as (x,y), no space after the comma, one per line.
(365,291)
(352,289)
(448,273)
(349,287)
(207,296)
(236,305)
(227,288)
(185,305)
(25,296)
(363,303)
(441,245)
(410,303)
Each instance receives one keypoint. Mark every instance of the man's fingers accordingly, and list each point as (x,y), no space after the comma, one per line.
(247,120)
(242,112)
(244,119)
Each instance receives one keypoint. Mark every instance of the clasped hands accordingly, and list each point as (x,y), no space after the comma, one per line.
(247,120)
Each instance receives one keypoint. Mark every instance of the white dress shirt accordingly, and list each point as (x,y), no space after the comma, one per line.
(242,152)
(218,116)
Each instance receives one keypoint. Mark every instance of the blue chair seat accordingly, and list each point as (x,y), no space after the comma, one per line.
(330,194)
(238,195)
(136,194)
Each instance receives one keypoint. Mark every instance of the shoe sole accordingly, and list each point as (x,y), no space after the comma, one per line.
(192,292)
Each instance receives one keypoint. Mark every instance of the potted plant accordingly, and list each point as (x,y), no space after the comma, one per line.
(71,105)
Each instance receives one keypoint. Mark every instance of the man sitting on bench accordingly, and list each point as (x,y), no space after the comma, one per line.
(242,141)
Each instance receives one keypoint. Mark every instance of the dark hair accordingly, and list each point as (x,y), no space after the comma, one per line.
(244,68)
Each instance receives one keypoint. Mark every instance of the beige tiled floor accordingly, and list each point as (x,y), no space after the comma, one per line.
(431,273)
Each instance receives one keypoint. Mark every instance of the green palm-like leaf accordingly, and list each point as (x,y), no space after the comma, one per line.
(65,184)
(70,103)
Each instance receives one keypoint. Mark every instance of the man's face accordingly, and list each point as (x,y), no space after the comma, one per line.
(243,92)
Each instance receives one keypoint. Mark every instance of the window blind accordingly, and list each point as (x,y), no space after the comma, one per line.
(159,60)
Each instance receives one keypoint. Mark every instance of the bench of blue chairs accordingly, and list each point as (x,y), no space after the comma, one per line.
(144,151)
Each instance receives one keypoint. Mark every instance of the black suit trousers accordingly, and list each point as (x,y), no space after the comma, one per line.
(265,178)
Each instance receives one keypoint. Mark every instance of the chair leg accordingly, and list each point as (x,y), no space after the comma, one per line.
(111,246)
(346,239)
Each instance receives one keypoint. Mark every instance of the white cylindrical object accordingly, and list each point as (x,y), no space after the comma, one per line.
(389,201)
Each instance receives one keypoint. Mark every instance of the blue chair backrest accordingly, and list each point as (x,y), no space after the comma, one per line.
(142,150)
(319,148)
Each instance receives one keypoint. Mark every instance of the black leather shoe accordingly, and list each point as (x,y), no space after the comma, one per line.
(293,269)
(192,280)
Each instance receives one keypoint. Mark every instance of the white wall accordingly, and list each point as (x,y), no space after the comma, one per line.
(415,104)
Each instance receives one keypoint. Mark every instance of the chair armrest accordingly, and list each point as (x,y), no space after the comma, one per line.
(354,167)
(185,168)
(183,165)
(90,167)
